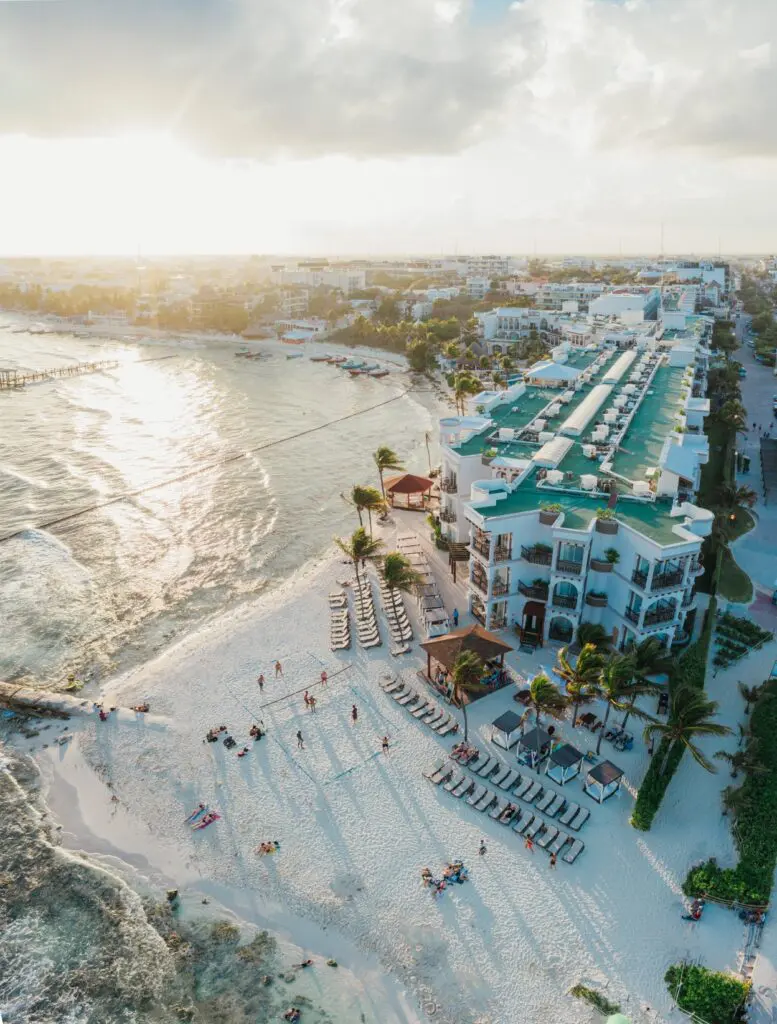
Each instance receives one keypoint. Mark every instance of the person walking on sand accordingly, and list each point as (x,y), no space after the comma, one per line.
(482,847)
(552,861)
(306,698)
(300,741)
(278,669)
(260,681)
(385,744)
(529,844)
(312,703)
(324,678)
(354,714)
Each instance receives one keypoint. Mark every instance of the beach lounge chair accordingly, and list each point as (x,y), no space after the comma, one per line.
(533,792)
(545,800)
(547,836)
(421,709)
(396,649)
(485,770)
(442,774)
(418,703)
(448,727)
(429,772)
(534,828)
(523,787)
(375,642)
(478,763)
(410,695)
(499,776)
(433,719)
(488,799)
(523,822)
(456,780)
(463,788)
(512,816)
(340,645)
(569,812)
(477,794)
(574,851)
(556,805)
(498,807)
(390,685)
(560,841)
(580,819)
(512,779)
(398,694)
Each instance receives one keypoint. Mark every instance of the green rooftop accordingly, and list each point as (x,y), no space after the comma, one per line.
(653,422)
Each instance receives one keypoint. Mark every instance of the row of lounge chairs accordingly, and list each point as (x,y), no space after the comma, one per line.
(524,821)
(396,615)
(420,707)
(366,620)
(339,622)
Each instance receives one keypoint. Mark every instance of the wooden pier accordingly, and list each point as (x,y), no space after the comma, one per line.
(19,378)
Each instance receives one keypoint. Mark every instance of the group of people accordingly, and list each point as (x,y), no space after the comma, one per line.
(213,735)
(260,680)
(464,752)
(453,873)
(272,846)
(697,907)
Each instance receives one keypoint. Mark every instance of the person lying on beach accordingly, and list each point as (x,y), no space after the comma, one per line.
(255,732)
(270,847)
(243,752)
(305,963)
(507,812)
(141,708)
(293,1014)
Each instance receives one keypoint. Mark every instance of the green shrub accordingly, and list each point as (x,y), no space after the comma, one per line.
(715,997)
(595,998)
(750,881)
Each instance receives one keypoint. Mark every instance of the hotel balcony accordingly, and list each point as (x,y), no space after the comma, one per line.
(667,580)
(502,554)
(632,615)
(562,601)
(448,486)
(479,613)
(696,568)
(653,618)
(480,582)
(537,556)
(447,516)
(500,587)
(571,568)
(688,599)
(640,578)
(596,600)
(536,592)
(482,545)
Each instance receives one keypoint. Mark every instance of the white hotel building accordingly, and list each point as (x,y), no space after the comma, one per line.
(611,442)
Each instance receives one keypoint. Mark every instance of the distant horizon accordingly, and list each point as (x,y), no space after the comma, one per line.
(388,257)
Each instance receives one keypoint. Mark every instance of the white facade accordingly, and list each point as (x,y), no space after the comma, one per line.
(488,266)
(346,281)
(553,296)
(478,287)
(617,303)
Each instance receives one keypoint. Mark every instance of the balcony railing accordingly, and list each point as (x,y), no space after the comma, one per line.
(575,568)
(640,578)
(632,615)
(596,600)
(536,556)
(502,554)
(449,486)
(447,516)
(479,614)
(562,601)
(665,580)
(538,593)
(499,623)
(500,587)
(482,545)
(688,599)
(481,582)
(652,618)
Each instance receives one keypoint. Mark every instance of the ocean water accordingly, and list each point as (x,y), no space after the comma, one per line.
(101,591)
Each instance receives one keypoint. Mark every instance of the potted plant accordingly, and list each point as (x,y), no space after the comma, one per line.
(601,564)
(549,513)
(606,521)
(612,555)
(544,549)
(596,598)
(488,456)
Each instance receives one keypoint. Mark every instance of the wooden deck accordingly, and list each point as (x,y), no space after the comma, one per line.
(11,379)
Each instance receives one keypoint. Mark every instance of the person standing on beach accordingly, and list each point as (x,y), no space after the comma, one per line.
(324,678)
(354,714)
(306,698)
(482,848)
(529,844)
(300,741)
(552,862)
(312,703)
(260,681)
(385,744)
(278,669)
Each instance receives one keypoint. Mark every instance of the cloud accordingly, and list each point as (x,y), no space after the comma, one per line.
(257,78)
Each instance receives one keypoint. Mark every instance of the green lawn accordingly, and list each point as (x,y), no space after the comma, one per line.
(743,523)
(734,582)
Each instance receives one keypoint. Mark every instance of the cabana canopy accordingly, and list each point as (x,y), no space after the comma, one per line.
(506,730)
(446,649)
(564,763)
(533,746)
(603,781)
(408,484)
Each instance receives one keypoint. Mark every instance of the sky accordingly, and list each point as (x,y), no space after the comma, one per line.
(366,126)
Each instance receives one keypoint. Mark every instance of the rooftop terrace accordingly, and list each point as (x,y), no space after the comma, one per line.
(653,422)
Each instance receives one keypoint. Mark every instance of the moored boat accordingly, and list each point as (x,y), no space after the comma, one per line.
(381,372)
(336,360)
(352,364)
(323,358)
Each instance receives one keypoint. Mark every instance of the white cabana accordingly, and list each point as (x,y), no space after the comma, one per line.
(506,730)
(564,763)
(436,622)
(533,747)
(603,781)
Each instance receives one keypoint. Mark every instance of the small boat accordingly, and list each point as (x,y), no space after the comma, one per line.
(352,364)
(336,360)
(356,373)
(324,358)
(379,373)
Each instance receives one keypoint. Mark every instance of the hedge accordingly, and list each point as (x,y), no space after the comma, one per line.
(690,671)
(714,997)
(750,882)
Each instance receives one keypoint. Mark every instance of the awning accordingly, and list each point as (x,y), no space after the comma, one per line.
(408,483)
(605,773)
(446,649)
(507,722)
(565,756)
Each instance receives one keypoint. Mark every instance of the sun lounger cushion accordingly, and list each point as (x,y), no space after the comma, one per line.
(523,787)
(547,836)
(463,787)
(561,840)
(580,819)
(574,851)
(545,800)
(477,794)
(485,770)
(435,719)
(534,828)
(486,801)
(498,807)
(512,778)
(499,776)
(569,813)
(419,710)
(523,822)
(410,695)
(556,805)
(457,779)
(533,792)
(450,726)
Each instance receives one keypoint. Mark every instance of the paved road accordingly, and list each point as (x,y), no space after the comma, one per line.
(756,552)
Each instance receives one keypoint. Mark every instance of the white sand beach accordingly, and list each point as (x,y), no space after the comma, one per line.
(356,827)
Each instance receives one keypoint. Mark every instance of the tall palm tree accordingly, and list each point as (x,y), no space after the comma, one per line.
(744,760)
(465,384)
(593,633)
(374,503)
(617,688)
(467,670)
(359,548)
(579,679)
(730,496)
(750,695)
(427,439)
(690,715)
(363,498)
(546,698)
(398,574)
(385,459)
(650,659)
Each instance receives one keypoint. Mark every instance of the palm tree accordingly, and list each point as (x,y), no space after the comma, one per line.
(650,659)
(467,671)
(690,715)
(464,384)
(750,695)
(385,459)
(546,698)
(733,414)
(359,548)
(592,633)
(363,498)
(731,496)
(579,678)
(374,503)
(617,688)
(427,439)
(398,574)
(743,761)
